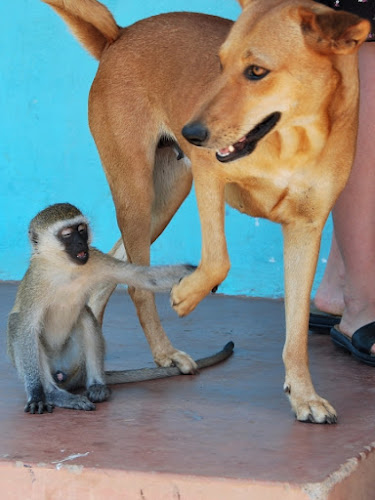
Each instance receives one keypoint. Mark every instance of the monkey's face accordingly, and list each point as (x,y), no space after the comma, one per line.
(75,241)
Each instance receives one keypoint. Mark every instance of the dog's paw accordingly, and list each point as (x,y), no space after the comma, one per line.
(181,304)
(315,409)
(187,294)
(183,361)
(193,288)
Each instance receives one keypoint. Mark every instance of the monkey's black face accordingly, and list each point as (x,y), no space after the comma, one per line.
(75,240)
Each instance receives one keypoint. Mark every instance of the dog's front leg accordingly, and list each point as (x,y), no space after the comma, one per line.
(301,249)
(214,265)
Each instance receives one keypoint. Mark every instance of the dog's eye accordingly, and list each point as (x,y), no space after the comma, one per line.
(254,72)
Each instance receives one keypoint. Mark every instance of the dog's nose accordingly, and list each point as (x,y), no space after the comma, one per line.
(196,133)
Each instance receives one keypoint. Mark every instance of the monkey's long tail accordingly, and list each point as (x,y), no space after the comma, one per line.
(141,374)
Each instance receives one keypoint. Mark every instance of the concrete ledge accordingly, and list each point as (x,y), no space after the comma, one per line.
(25,481)
(354,480)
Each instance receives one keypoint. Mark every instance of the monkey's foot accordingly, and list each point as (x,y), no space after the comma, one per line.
(98,393)
(183,361)
(79,403)
(65,399)
(38,407)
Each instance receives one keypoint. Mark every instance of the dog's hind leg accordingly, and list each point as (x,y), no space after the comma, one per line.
(145,204)
(170,185)
(172,181)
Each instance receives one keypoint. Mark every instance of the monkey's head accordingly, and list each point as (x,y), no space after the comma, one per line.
(61,228)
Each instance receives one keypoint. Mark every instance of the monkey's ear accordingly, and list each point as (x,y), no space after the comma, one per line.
(33,238)
(335,32)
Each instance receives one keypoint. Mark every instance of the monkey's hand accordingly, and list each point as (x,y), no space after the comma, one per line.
(38,407)
(158,278)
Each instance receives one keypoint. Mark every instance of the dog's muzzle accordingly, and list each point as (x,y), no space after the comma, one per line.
(197,133)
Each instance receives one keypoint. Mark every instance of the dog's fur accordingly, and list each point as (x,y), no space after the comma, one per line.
(192,71)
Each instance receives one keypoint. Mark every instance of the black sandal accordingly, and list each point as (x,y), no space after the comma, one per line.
(321,322)
(359,345)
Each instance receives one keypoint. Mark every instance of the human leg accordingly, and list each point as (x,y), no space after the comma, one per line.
(329,296)
(354,212)
(348,284)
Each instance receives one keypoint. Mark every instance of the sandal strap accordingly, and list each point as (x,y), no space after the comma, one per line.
(364,338)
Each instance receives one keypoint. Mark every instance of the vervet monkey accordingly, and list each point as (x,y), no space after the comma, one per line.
(54,339)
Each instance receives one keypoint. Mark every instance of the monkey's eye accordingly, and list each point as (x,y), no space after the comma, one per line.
(254,72)
(82,228)
(66,232)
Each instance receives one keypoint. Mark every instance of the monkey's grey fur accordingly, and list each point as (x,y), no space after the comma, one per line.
(51,329)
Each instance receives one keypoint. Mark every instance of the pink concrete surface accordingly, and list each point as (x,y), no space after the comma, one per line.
(225,434)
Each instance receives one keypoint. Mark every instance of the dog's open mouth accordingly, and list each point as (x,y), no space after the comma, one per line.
(248,142)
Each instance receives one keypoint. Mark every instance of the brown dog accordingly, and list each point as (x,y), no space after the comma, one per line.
(274,94)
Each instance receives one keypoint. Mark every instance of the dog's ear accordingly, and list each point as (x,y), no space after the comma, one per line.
(335,32)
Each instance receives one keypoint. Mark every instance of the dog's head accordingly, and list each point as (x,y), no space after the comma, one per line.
(282,61)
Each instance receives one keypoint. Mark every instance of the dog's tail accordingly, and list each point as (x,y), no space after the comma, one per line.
(90,21)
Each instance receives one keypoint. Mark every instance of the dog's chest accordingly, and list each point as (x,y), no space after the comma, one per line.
(282,177)
(275,197)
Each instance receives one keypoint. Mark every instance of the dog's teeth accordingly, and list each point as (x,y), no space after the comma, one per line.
(231,149)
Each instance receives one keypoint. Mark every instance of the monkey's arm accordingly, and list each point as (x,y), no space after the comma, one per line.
(23,348)
(154,278)
(126,376)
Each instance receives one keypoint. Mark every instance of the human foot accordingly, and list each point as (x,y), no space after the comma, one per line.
(360,345)
(329,303)
(353,323)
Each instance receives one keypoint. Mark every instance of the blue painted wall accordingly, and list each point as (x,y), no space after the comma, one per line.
(48,155)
